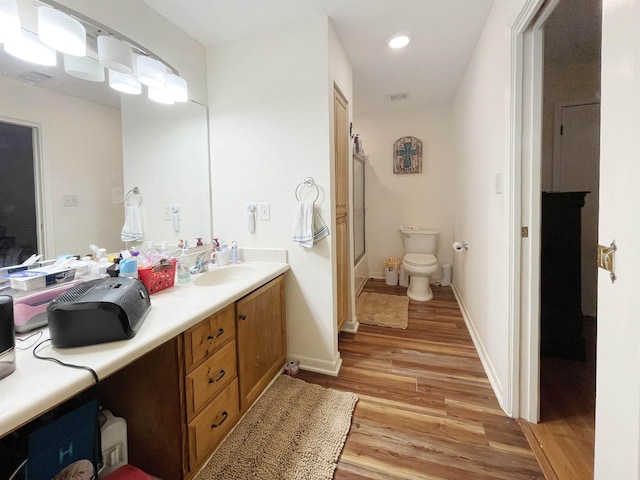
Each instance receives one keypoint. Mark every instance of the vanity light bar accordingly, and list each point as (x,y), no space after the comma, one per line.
(67,30)
(115,54)
(151,72)
(61,32)
(124,83)
(84,68)
(28,47)
(9,20)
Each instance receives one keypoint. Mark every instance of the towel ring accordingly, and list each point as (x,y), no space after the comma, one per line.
(130,193)
(307,182)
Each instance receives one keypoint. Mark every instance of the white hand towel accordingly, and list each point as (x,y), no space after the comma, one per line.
(303,224)
(132,228)
(320,230)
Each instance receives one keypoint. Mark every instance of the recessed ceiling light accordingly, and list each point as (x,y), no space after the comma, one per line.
(398,40)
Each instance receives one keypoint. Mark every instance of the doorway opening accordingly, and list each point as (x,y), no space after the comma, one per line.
(18,194)
(563,75)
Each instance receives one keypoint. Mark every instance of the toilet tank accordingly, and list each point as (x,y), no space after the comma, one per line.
(419,240)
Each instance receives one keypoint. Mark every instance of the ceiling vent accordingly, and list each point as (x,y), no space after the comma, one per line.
(398,96)
(33,77)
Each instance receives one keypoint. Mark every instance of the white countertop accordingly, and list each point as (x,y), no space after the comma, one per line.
(38,385)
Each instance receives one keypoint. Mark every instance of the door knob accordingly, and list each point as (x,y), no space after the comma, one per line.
(606,259)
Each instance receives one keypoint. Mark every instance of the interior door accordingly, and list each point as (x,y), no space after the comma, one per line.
(617,452)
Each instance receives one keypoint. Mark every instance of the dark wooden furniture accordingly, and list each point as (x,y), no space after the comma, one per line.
(560,284)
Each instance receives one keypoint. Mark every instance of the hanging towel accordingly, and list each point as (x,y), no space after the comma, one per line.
(132,228)
(320,230)
(303,224)
(308,226)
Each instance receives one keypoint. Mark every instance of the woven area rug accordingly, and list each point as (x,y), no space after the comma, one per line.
(383,310)
(295,431)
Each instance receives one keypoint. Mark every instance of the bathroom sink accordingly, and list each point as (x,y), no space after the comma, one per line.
(222,275)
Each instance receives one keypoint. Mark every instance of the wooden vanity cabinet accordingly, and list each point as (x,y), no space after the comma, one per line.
(262,339)
(182,398)
(210,383)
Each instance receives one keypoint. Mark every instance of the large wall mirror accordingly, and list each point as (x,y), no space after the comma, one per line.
(90,148)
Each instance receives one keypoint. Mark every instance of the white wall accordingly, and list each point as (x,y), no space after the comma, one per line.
(81,155)
(341,77)
(425,199)
(480,275)
(270,128)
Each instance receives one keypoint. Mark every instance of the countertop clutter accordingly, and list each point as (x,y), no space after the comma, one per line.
(37,385)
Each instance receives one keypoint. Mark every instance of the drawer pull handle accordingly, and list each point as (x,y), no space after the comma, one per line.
(222,374)
(224,417)
(220,332)
(242,317)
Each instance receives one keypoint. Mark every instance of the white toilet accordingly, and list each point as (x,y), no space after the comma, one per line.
(419,261)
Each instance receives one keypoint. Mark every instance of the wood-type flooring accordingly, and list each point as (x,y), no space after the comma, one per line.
(564,440)
(426,409)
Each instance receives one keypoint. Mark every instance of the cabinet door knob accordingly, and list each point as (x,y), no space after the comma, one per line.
(224,417)
(242,317)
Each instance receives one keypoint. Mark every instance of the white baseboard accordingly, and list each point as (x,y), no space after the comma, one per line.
(318,366)
(351,326)
(494,380)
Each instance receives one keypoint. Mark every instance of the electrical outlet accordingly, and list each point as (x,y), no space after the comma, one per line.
(70,200)
(498,183)
(166,213)
(264,211)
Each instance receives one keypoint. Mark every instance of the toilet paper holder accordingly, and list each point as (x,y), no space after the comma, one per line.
(460,246)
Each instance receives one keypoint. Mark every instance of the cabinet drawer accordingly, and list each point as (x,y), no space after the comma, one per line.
(205,338)
(212,424)
(206,381)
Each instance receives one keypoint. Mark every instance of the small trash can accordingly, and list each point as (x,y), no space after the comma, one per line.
(446,275)
(404,277)
(391,275)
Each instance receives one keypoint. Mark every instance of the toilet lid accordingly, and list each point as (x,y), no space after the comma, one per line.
(420,259)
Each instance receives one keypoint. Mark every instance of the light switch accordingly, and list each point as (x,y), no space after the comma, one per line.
(264,211)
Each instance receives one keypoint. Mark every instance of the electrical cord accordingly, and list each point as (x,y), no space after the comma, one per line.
(37,334)
(59,362)
(15,472)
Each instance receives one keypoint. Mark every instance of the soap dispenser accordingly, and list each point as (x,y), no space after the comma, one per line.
(183,266)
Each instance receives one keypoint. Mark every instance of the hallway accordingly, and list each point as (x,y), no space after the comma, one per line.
(426,407)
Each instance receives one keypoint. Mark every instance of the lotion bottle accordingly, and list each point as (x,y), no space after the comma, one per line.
(234,252)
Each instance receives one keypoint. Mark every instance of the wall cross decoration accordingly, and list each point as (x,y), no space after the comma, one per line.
(407,155)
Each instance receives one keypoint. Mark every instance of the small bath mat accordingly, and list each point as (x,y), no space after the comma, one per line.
(383,310)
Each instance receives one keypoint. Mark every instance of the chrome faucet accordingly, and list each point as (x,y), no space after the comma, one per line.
(201,264)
